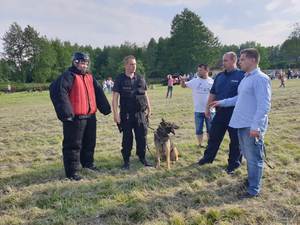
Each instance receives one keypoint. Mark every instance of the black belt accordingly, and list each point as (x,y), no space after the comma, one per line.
(82,117)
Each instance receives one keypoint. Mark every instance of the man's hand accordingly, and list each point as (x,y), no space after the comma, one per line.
(148,112)
(207,113)
(214,104)
(117,118)
(254,133)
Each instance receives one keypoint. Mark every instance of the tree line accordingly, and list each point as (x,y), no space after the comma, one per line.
(31,57)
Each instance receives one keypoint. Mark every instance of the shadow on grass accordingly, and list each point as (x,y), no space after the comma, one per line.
(37,175)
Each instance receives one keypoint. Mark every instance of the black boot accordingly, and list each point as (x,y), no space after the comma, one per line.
(145,163)
(74,177)
(126,165)
(93,168)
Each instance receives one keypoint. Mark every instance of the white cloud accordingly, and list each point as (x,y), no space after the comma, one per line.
(98,24)
(273,5)
(85,22)
(186,3)
(280,7)
(273,32)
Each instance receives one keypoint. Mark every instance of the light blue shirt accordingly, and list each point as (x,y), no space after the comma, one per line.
(252,103)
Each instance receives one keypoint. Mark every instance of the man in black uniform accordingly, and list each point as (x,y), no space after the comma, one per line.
(225,86)
(131,88)
(76,95)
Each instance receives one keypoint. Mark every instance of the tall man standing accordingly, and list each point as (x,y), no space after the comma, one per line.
(225,86)
(200,86)
(76,95)
(135,107)
(250,116)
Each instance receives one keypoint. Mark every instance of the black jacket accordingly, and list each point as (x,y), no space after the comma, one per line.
(59,94)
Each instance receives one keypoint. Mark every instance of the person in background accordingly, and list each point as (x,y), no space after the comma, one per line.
(109,84)
(200,90)
(170,86)
(281,77)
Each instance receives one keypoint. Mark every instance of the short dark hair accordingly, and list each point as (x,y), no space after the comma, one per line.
(127,58)
(251,53)
(232,55)
(205,66)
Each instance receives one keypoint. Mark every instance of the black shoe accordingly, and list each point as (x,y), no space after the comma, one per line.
(230,170)
(125,166)
(75,177)
(246,183)
(93,168)
(145,163)
(203,161)
(248,196)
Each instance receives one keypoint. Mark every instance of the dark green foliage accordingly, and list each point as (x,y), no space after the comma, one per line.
(191,43)
(30,57)
(291,47)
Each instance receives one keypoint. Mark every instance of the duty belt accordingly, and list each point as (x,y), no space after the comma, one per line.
(82,117)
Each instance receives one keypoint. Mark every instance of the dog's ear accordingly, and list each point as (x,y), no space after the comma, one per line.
(162,120)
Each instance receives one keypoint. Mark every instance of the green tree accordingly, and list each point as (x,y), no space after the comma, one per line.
(191,42)
(275,57)
(19,48)
(5,72)
(63,52)
(290,48)
(13,46)
(164,64)
(43,63)
(151,58)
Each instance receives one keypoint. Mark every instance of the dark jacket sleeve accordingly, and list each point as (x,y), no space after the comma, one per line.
(101,100)
(59,94)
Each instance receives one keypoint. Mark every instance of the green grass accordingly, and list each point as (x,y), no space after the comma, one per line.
(33,189)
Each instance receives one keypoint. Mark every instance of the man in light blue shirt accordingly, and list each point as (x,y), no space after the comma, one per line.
(250,116)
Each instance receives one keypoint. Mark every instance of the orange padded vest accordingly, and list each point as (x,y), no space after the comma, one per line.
(82,95)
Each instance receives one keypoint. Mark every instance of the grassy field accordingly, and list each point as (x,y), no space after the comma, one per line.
(33,189)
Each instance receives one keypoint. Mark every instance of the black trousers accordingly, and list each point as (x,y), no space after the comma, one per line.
(137,123)
(78,144)
(216,136)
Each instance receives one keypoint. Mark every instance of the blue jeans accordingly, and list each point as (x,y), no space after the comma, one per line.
(253,151)
(199,122)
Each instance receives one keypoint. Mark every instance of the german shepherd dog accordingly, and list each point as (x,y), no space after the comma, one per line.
(165,149)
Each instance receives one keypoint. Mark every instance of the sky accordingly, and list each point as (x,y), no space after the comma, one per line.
(102,23)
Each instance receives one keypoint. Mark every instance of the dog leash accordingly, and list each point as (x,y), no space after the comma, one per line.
(147,146)
(266,160)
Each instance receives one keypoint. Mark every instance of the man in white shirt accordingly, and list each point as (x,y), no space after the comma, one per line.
(200,86)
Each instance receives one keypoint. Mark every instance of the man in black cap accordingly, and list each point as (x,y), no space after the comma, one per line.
(135,107)
(76,95)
